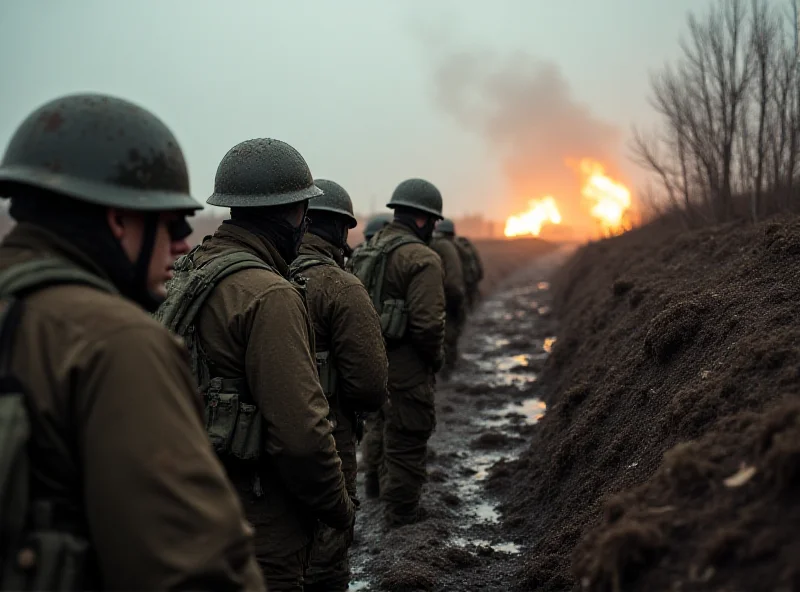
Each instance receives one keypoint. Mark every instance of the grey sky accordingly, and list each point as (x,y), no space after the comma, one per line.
(350,83)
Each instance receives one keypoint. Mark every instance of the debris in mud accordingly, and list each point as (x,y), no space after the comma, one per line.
(460,557)
(437,476)
(450,498)
(492,440)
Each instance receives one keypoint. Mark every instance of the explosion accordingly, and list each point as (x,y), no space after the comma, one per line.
(541,211)
(605,208)
(610,200)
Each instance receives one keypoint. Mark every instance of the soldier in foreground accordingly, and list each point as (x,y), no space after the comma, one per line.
(351,359)
(106,474)
(251,342)
(454,292)
(404,278)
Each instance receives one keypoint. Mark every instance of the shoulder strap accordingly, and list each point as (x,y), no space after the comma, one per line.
(213,272)
(30,276)
(303,263)
(386,248)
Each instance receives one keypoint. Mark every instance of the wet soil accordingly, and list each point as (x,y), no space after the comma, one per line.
(486,413)
(669,456)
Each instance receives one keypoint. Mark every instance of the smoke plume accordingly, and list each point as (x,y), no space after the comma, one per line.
(524,109)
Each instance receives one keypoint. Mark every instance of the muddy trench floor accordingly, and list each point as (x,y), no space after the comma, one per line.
(486,412)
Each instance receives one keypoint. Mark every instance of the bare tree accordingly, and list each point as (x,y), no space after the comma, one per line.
(763,31)
(730,112)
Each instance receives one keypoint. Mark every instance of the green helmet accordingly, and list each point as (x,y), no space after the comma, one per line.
(262,172)
(334,199)
(101,150)
(375,223)
(417,194)
(446,226)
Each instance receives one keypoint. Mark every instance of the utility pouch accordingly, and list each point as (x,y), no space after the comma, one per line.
(394,318)
(221,413)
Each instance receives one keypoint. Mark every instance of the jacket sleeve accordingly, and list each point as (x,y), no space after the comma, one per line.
(161,511)
(425,301)
(454,289)
(282,376)
(358,350)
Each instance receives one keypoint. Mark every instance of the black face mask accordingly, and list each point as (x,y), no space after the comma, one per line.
(425,233)
(334,229)
(271,224)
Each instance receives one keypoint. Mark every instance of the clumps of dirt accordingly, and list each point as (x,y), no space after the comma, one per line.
(673,328)
(408,576)
(720,512)
(676,372)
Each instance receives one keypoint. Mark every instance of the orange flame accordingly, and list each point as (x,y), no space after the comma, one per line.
(611,200)
(540,212)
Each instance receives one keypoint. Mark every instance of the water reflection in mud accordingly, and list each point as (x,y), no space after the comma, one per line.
(488,405)
(511,548)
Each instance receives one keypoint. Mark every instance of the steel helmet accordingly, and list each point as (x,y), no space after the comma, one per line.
(446,226)
(262,172)
(101,150)
(417,194)
(334,199)
(375,223)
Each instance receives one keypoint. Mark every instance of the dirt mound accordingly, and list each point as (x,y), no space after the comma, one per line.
(677,343)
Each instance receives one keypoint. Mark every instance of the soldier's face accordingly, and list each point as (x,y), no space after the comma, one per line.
(170,243)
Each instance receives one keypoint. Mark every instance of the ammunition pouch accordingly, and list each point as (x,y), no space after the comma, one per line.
(394,319)
(234,423)
(49,557)
(328,376)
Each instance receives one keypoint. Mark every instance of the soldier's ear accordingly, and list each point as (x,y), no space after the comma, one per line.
(116,221)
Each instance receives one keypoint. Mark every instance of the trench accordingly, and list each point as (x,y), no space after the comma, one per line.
(485,415)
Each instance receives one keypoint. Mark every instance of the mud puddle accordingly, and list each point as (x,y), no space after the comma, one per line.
(484,412)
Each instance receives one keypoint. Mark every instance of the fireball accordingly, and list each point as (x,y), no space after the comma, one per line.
(610,200)
(540,212)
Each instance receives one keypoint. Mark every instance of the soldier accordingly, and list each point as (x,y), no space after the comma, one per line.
(106,474)
(351,358)
(405,279)
(454,293)
(251,341)
(470,261)
(373,225)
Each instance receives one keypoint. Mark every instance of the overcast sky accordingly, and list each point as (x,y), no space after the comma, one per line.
(369,91)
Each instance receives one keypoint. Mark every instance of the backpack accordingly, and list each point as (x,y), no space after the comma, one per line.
(470,261)
(34,553)
(368,263)
(232,420)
